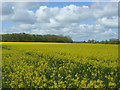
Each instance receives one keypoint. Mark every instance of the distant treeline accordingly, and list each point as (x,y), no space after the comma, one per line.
(23,37)
(110,41)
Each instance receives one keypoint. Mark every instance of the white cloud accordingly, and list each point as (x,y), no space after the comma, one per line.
(20,28)
(44,14)
(23,16)
(104,9)
(59,16)
(71,13)
(25,5)
(6,9)
(18,12)
(66,20)
(109,22)
(96,32)
(77,32)
(20,16)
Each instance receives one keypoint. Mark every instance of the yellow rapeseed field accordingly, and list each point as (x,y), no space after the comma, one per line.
(59,65)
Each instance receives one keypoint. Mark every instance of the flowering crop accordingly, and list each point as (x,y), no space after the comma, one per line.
(59,65)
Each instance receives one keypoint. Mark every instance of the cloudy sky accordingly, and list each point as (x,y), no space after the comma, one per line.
(79,20)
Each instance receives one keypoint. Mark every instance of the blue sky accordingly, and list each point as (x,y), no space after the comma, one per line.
(63,4)
(79,20)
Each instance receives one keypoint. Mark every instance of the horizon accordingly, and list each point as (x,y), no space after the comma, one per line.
(81,21)
(63,36)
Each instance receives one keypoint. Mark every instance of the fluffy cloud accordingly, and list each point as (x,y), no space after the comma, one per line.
(77,32)
(25,5)
(74,13)
(96,32)
(6,9)
(23,16)
(71,13)
(109,22)
(20,16)
(18,12)
(66,14)
(103,9)
(70,20)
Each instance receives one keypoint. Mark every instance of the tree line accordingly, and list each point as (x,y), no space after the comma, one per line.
(23,37)
(110,41)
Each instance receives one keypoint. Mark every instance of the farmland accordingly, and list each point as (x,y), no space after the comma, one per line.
(59,65)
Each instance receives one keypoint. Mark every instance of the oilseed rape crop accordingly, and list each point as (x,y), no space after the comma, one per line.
(59,65)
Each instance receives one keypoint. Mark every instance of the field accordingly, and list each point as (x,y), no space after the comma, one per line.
(59,65)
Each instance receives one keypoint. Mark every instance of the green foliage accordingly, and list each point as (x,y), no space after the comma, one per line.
(22,37)
(110,41)
(59,65)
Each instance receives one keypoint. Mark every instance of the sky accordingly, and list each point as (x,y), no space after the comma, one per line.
(79,20)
